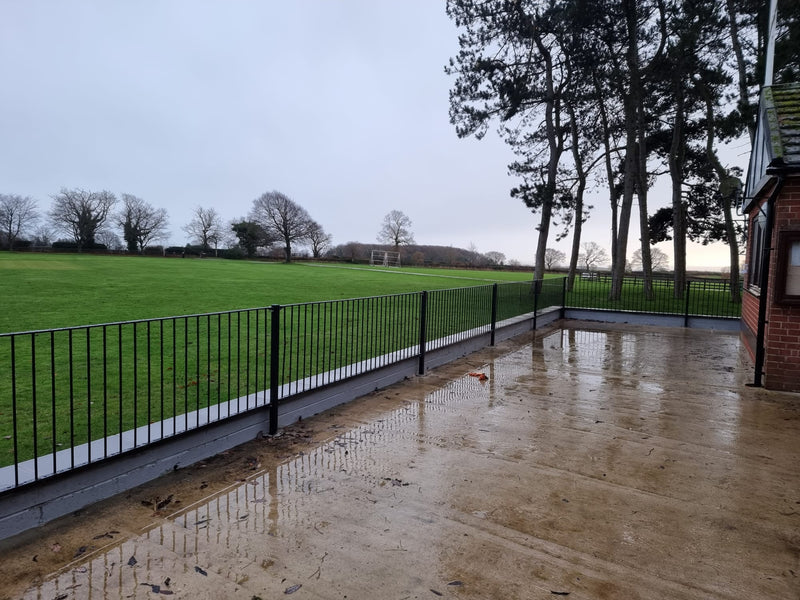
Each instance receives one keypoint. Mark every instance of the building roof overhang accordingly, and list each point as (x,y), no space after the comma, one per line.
(776,149)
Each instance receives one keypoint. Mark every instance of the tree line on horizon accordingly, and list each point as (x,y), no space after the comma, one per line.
(616,93)
(276,227)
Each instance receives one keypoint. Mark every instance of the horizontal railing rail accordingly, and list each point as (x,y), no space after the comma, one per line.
(77,395)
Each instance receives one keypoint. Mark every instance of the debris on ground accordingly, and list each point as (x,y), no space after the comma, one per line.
(293,589)
(480,376)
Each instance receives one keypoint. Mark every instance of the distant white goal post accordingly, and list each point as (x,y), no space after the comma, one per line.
(384,258)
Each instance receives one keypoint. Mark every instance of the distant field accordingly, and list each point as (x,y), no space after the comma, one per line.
(40,291)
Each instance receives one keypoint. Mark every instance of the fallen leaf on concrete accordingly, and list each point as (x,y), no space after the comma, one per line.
(437,593)
(293,589)
(480,376)
(201,571)
(559,593)
(56,547)
(456,582)
(80,551)
(132,561)
(164,502)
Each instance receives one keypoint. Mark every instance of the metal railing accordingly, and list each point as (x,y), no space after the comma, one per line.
(78,395)
(701,297)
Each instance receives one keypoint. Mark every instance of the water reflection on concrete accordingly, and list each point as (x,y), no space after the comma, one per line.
(596,461)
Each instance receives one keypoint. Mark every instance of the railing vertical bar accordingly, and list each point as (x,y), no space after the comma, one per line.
(88,394)
(15,442)
(119,390)
(265,395)
(186,373)
(423,310)
(274,365)
(34,410)
(238,362)
(149,382)
(219,364)
(174,376)
(247,363)
(493,314)
(197,379)
(229,363)
(686,309)
(71,403)
(306,349)
(53,408)
(135,386)
(105,392)
(255,365)
(161,374)
(208,369)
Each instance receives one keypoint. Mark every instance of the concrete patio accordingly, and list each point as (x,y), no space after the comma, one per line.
(596,461)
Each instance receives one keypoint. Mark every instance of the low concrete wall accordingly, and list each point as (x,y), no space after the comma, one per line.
(636,318)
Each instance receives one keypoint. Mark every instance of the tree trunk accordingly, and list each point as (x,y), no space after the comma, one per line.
(741,69)
(676,167)
(555,147)
(578,224)
(727,200)
(631,103)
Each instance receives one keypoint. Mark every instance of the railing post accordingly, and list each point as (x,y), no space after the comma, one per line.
(423,308)
(494,312)
(686,309)
(274,364)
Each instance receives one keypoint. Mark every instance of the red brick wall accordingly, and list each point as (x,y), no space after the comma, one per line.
(782,333)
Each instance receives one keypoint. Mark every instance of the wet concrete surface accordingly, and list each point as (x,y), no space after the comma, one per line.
(594,462)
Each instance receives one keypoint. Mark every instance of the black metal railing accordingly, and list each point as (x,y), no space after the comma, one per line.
(701,297)
(77,395)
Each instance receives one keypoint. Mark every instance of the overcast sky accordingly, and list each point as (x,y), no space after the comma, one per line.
(341,105)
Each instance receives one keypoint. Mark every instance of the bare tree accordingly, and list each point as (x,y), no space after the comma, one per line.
(141,223)
(553,257)
(17,214)
(43,235)
(205,227)
(318,239)
(283,218)
(658,259)
(396,230)
(495,258)
(109,239)
(81,213)
(593,256)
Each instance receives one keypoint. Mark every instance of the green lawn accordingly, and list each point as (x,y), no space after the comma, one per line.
(42,291)
(84,384)
(73,386)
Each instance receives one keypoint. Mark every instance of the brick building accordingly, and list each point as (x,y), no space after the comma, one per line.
(771,299)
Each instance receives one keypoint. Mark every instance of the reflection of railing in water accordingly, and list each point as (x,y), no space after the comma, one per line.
(261,506)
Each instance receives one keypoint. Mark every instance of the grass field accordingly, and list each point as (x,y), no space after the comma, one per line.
(42,291)
(70,387)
